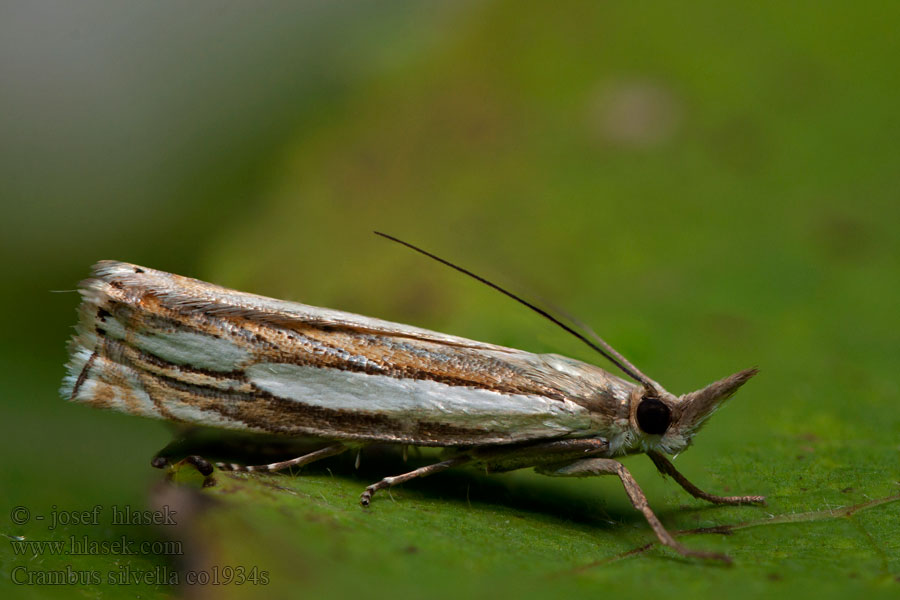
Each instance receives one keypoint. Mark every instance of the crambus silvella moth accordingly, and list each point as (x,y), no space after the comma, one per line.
(160,345)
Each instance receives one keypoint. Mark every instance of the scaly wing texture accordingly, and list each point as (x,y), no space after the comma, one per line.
(161,345)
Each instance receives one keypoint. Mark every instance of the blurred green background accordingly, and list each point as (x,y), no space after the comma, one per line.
(711,185)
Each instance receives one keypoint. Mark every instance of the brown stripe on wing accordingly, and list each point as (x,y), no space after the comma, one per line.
(115,385)
(410,358)
(265,412)
(186,296)
(83,375)
(344,348)
(255,409)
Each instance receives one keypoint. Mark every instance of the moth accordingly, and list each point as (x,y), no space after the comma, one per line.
(160,345)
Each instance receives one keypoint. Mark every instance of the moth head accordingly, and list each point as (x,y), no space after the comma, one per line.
(668,423)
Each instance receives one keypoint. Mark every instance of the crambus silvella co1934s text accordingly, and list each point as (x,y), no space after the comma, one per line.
(170,347)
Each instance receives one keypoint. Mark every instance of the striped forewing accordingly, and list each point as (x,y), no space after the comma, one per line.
(166,346)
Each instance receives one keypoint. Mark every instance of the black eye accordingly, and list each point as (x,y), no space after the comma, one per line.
(653,416)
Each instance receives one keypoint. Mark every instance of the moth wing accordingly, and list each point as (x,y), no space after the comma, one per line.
(166,346)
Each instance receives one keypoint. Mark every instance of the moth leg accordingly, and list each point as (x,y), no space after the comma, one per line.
(387,482)
(198,462)
(608,466)
(667,468)
(294,462)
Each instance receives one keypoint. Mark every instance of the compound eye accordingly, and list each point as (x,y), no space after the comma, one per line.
(653,416)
